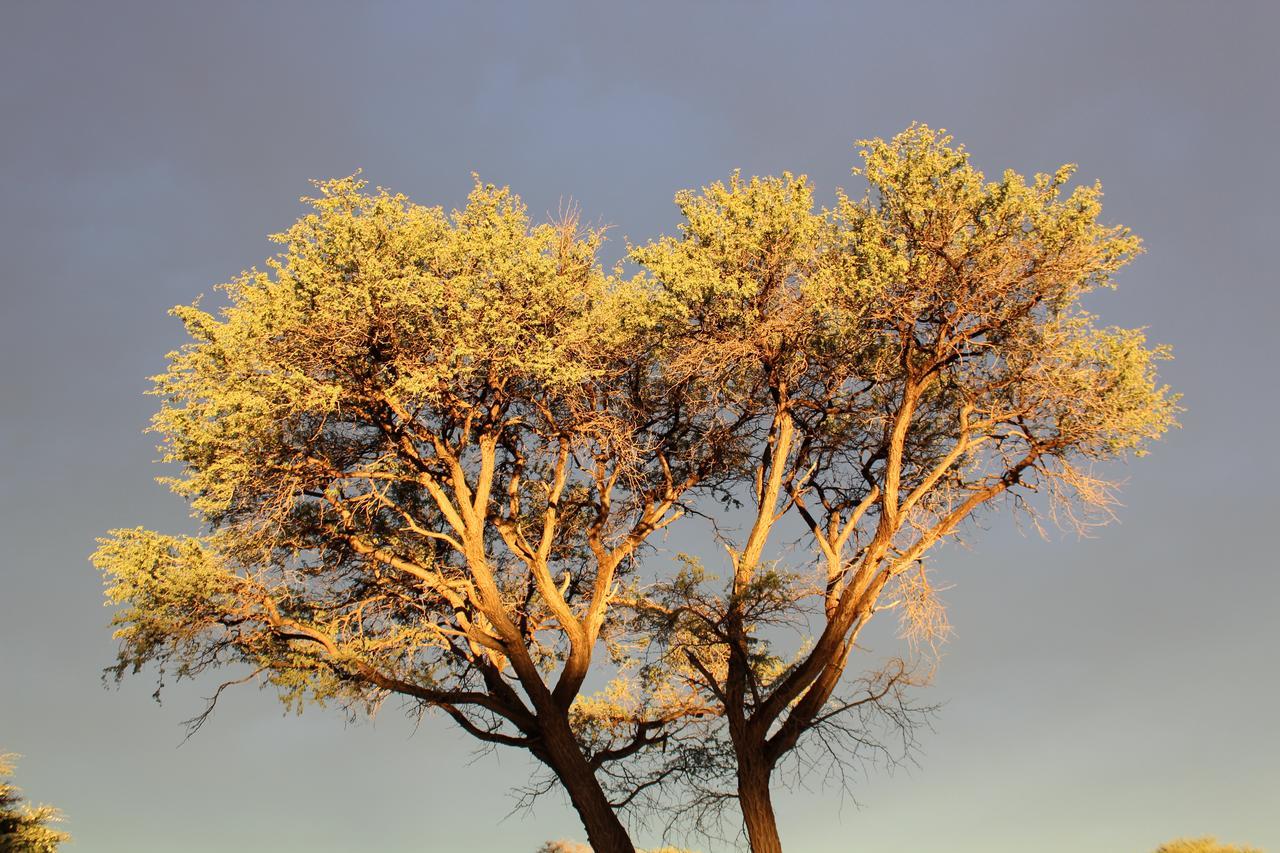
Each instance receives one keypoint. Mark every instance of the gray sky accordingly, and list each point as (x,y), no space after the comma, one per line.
(1101,695)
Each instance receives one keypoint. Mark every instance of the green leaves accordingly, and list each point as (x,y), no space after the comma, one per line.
(746,247)
(175,598)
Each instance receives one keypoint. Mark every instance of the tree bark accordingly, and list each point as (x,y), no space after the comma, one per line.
(605,832)
(757,804)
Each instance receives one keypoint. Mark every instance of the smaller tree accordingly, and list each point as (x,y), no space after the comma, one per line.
(25,828)
(1202,845)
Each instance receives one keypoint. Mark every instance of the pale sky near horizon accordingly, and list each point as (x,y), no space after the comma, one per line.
(1099,695)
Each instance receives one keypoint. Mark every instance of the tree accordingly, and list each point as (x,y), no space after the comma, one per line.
(431,454)
(906,361)
(1202,845)
(24,828)
(426,450)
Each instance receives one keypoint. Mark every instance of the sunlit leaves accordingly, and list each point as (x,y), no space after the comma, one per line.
(25,828)
(1203,845)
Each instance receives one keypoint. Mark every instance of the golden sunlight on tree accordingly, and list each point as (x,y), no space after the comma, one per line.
(904,361)
(434,455)
(25,828)
(427,449)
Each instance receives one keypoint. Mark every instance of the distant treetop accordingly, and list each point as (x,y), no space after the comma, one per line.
(25,828)
(1203,845)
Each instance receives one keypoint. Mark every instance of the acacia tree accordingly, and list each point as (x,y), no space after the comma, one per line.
(430,451)
(906,360)
(426,450)
(24,828)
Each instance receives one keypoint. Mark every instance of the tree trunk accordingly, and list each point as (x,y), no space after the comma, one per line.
(757,805)
(605,832)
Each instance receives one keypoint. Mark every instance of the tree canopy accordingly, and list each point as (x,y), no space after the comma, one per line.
(431,453)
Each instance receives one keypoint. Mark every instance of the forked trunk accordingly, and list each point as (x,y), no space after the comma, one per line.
(605,832)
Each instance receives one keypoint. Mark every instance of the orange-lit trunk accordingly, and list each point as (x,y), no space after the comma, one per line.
(605,832)
(757,805)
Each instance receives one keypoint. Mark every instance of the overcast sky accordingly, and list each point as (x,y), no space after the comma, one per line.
(1100,695)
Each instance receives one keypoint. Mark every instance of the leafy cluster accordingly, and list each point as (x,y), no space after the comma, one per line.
(1202,845)
(25,828)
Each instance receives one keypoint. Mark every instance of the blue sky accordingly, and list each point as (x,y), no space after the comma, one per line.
(1099,695)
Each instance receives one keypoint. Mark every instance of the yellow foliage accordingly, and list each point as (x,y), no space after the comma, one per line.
(1202,845)
(25,828)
